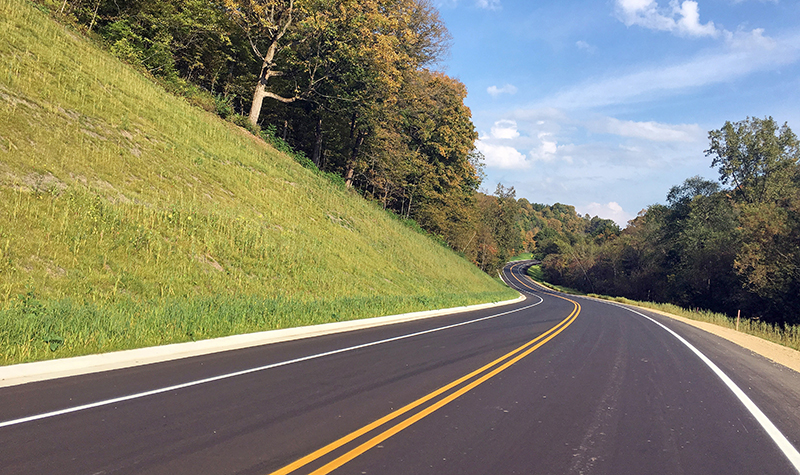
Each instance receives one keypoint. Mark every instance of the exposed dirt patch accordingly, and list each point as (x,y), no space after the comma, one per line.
(210,262)
(15,100)
(34,182)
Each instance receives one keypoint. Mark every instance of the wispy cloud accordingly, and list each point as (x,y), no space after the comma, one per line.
(547,149)
(484,4)
(495,91)
(744,53)
(582,45)
(488,4)
(652,131)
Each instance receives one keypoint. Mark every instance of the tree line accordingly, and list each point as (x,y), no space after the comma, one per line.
(726,245)
(351,87)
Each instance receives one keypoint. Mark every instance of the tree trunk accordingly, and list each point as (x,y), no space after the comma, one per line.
(258,100)
(348,179)
(316,156)
(266,72)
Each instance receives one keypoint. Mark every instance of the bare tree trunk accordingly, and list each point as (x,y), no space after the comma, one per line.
(261,87)
(94,16)
(266,72)
(315,157)
(348,179)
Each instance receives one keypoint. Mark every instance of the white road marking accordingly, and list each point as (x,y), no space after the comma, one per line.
(251,370)
(777,436)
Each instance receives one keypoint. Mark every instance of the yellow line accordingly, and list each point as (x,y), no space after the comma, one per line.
(542,339)
(429,410)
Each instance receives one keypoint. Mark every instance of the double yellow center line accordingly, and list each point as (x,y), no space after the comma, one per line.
(487,371)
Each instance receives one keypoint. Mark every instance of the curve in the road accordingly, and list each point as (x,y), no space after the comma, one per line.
(774,433)
(499,365)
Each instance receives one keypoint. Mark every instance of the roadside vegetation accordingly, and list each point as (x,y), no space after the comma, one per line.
(130,217)
(786,335)
(723,246)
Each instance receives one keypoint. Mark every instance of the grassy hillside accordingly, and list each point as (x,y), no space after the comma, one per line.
(129,218)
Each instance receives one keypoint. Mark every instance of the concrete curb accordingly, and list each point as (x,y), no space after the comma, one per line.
(51,369)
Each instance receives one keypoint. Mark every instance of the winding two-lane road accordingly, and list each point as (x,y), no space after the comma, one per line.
(554,384)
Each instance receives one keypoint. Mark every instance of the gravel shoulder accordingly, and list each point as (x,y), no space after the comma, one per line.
(772,351)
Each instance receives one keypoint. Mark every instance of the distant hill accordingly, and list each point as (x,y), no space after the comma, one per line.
(130,218)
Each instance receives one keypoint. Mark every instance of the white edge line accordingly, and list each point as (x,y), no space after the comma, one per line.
(777,436)
(248,371)
(64,367)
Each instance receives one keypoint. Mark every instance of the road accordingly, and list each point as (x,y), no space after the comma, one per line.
(555,384)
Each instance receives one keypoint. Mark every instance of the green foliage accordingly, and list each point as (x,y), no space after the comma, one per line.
(756,156)
(32,328)
(712,248)
(129,217)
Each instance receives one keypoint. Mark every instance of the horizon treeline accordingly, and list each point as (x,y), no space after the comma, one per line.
(729,245)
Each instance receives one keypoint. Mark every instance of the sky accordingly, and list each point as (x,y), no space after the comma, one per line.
(605,105)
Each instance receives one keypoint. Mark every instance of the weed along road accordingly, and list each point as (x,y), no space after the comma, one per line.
(555,384)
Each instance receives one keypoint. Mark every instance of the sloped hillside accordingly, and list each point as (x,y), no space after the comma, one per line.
(129,218)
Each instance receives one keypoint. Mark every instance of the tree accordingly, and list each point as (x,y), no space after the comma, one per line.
(755,156)
(265,23)
(769,258)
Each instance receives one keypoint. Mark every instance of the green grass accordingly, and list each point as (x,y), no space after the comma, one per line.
(787,336)
(535,272)
(130,218)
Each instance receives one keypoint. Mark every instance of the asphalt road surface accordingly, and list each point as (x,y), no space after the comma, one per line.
(551,385)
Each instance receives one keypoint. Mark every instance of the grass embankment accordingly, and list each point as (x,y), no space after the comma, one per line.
(788,336)
(129,218)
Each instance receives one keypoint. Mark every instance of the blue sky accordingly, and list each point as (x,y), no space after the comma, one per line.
(605,105)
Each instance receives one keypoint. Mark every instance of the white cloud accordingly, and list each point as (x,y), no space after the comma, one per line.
(488,4)
(611,210)
(682,19)
(652,131)
(582,45)
(504,129)
(495,91)
(547,149)
(540,115)
(750,40)
(501,156)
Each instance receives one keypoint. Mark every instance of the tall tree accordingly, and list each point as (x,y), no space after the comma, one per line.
(265,23)
(756,156)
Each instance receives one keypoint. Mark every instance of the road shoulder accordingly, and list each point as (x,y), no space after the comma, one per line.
(772,351)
